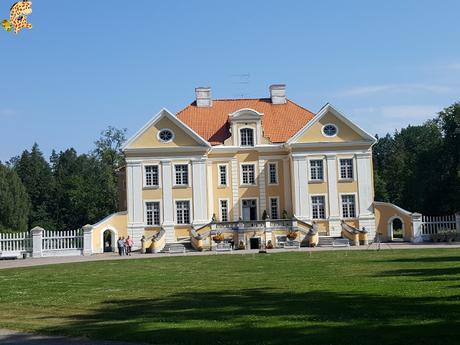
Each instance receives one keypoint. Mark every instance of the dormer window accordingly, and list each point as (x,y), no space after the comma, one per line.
(246,137)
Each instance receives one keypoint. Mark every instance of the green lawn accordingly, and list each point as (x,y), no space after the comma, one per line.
(337,297)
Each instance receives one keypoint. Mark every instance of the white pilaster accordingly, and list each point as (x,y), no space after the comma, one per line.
(168,207)
(287,194)
(365,193)
(335,228)
(262,192)
(134,201)
(236,213)
(300,187)
(210,190)
(200,209)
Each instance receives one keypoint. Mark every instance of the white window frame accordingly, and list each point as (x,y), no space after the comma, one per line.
(330,124)
(219,180)
(144,174)
(168,141)
(277,198)
(339,165)
(325,206)
(356,205)
(254,140)
(188,175)
(228,209)
(276,173)
(190,212)
(256,198)
(255,174)
(310,179)
(145,213)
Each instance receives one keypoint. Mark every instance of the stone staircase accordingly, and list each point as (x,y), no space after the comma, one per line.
(326,241)
(182,247)
(329,241)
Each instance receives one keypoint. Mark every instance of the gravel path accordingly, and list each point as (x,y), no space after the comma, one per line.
(112,256)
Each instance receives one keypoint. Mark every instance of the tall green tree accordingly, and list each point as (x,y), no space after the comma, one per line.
(14,201)
(35,174)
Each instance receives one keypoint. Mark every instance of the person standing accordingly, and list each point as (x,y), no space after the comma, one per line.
(121,246)
(129,245)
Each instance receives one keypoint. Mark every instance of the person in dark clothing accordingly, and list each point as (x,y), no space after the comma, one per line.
(121,246)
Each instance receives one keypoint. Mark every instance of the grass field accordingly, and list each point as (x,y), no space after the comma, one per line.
(337,297)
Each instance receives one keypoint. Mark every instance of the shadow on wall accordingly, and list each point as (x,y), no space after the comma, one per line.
(255,316)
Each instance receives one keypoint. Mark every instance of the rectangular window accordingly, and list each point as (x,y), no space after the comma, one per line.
(224,211)
(272,173)
(348,206)
(316,170)
(181,171)
(151,176)
(152,212)
(247,137)
(183,212)
(222,175)
(318,207)
(346,169)
(274,214)
(248,172)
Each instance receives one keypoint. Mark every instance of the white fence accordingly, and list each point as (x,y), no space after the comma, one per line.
(434,224)
(15,243)
(39,243)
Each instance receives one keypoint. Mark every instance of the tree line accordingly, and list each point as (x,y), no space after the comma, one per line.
(417,168)
(65,192)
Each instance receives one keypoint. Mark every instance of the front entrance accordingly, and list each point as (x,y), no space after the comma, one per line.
(254,243)
(249,209)
(109,241)
(397,229)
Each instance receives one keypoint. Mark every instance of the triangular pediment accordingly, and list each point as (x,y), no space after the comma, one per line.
(346,130)
(148,136)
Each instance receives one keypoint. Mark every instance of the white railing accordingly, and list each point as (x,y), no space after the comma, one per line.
(433,224)
(62,240)
(15,242)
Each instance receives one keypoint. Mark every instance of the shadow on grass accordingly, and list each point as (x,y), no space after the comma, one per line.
(254,316)
(435,259)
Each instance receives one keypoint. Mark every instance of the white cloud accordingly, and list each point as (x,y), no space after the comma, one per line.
(395,88)
(386,119)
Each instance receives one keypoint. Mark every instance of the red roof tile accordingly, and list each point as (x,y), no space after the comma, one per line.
(279,122)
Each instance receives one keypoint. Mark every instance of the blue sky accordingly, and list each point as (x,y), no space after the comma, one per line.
(89,64)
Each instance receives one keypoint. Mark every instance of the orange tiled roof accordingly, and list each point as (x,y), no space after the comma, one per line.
(279,122)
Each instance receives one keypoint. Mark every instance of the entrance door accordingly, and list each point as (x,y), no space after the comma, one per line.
(254,243)
(250,209)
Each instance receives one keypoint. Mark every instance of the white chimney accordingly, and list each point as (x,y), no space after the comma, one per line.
(203,97)
(278,93)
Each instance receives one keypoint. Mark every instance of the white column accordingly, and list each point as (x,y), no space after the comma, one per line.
(37,241)
(262,192)
(365,193)
(134,200)
(236,213)
(168,206)
(457,222)
(287,194)
(335,228)
(200,207)
(300,187)
(87,240)
(210,190)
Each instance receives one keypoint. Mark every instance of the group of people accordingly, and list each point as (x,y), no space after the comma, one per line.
(124,245)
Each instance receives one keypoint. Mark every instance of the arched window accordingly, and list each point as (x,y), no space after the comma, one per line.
(247,137)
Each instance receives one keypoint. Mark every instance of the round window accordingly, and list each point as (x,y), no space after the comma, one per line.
(330,130)
(165,135)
